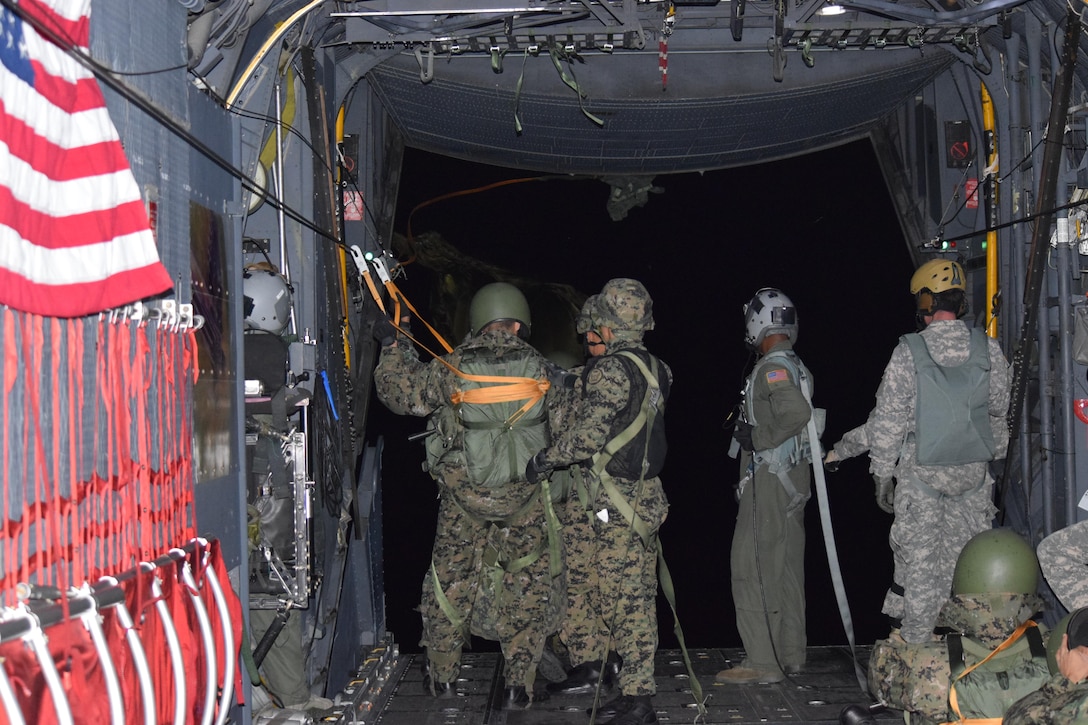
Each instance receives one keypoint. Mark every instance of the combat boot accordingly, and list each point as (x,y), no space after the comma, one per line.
(436,689)
(640,711)
(626,710)
(517,698)
(583,679)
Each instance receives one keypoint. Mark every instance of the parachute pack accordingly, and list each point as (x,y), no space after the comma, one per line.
(959,679)
(498,412)
(953,425)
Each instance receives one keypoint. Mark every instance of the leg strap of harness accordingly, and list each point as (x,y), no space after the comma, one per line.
(446,607)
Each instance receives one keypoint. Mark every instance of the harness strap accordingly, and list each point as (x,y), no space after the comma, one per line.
(604,457)
(667,588)
(446,607)
(953,699)
(829,535)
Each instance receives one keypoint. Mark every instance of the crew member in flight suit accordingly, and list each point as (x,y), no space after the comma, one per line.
(767,562)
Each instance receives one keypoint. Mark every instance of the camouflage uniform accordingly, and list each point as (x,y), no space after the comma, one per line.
(768,555)
(916,677)
(580,629)
(937,508)
(621,609)
(1064,558)
(525,606)
(1058,702)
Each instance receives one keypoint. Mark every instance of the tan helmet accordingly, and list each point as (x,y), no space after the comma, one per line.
(625,305)
(939,284)
(938,275)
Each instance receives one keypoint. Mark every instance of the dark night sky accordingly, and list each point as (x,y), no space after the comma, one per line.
(820,227)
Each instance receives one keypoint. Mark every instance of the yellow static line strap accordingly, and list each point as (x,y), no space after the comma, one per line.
(953,700)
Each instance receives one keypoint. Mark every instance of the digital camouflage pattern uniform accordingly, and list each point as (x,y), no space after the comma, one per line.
(1063,557)
(916,677)
(527,605)
(580,630)
(767,561)
(937,508)
(1058,702)
(622,610)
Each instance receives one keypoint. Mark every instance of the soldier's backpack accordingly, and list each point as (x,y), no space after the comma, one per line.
(496,422)
(935,681)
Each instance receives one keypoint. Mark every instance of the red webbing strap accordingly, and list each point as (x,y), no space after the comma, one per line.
(953,700)
(184,451)
(9,563)
(141,457)
(76,491)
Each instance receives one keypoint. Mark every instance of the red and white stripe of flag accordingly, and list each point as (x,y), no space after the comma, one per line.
(74,232)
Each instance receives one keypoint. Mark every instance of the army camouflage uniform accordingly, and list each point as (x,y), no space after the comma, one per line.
(621,609)
(466,547)
(1063,557)
(1058,702)
(580,629)
(937,508)
(768,554)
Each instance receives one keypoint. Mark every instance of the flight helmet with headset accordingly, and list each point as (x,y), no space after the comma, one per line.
(939,284)
(769,312)
(499,301)
(266,299)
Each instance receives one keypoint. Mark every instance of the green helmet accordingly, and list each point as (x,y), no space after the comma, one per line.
(624,304)
(996,561)
(499,301)
(1054,641)
(584,322)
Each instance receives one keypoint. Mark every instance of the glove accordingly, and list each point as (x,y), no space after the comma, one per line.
(832,461)
(558,376)
(385,332)
(742,434)
(536,469)
(885,494)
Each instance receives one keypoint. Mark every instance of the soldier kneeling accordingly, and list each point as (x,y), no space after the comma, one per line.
(995,653)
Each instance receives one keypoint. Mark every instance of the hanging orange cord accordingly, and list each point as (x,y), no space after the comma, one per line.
(502,388)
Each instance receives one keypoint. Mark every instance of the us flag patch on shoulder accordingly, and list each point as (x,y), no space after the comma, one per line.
(777,376)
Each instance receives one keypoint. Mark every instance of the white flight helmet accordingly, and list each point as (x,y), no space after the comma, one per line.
(267,300)
(770,311)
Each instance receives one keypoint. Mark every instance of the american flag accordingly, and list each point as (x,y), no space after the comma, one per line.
(74,232)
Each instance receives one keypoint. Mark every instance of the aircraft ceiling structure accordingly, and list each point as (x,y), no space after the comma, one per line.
(618,87)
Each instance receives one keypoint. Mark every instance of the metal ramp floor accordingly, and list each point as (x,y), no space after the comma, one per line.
(389,690)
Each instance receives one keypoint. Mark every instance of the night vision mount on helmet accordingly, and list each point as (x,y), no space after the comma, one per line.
(769,312)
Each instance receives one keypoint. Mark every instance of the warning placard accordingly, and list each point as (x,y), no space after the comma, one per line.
(353,206)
